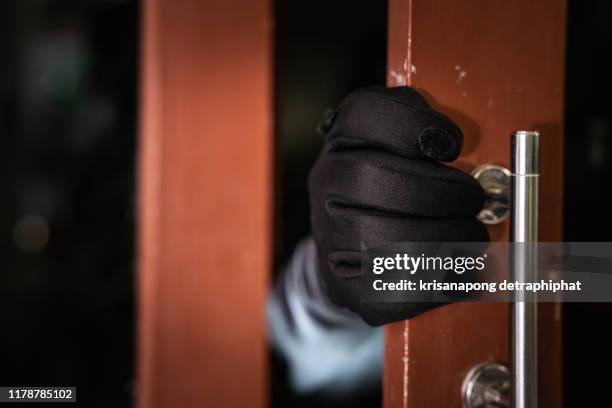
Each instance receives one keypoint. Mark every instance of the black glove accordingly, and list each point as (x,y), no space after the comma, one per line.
(378,180)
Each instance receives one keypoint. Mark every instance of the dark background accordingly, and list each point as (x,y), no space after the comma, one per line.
(67,139)
(68,121)
(588,174)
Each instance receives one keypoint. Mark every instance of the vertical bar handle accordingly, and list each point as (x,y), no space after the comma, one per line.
(524,230)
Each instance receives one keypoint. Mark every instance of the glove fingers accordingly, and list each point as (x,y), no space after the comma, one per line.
(397,120)
(379,180)
(369,231)
(392,187)
(372,230)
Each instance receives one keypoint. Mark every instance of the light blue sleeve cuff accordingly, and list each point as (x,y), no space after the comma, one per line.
(327,348)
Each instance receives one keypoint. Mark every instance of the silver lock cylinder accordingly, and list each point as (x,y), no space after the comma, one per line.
(487,386)
(496,182)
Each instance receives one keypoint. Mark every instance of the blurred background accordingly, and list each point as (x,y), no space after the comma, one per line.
(68,132)
(68,121)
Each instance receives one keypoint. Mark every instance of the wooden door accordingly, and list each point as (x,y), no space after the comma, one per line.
(493,66)
(205,185)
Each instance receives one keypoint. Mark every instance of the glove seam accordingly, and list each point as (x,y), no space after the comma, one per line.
(416,175)
(337,200)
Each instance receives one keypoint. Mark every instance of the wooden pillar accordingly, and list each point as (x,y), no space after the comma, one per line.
(493,66)
(204,203)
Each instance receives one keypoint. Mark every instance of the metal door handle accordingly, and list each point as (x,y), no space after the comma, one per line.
(524,229)
(491,384)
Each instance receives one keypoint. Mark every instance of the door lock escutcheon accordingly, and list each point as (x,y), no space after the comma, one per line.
(496,181)
(487,386)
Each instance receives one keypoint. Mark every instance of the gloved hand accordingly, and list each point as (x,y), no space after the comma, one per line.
(379,180)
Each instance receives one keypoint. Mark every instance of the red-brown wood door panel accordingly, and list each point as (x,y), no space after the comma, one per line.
(204,203)
(493,66)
